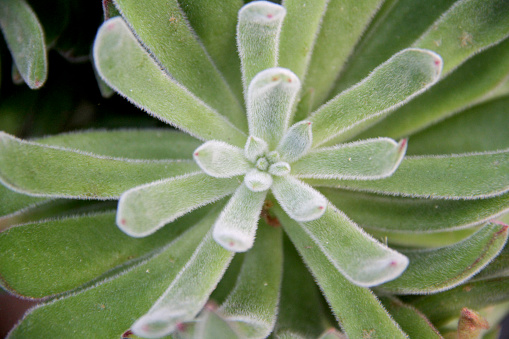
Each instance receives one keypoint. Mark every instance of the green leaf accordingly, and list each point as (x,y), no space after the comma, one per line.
(142,210)
(270,99)
(255,148)
(399,79)
(166,34)
(258,181)
(252,306)
(188,292)
(464,176)
(221,160)
(403,214)
(440,269)
(129,143)
(25,38)
(347,301)
(258,29)
(362,160)
(280,168)
(498,268)
(236,226)
(109,308)
(126,67)
(12,202)
(296,142)
(41,170)
(212,325)
(333,334)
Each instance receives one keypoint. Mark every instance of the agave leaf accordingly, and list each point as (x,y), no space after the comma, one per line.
(142,210)
(296,142)
(165,32)
(139,78)
(445,177)
(188,292)
(25,38)
(41,170)
(258,29)
(362,160)
(440,269)
(221,160)
(403,214)
(252,306)
(390,85)
(51,257)
(474,81)
(101,306)
(457,39)
(129,143)
(347,301)
(212,325)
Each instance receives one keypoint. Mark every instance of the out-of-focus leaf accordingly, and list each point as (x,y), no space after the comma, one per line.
(212,325)
(47,11)
(25,38)
(425,240)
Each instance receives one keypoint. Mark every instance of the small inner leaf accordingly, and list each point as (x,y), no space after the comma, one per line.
(258,181)
(279,168)
(221,160)
(255,147)
(296,141)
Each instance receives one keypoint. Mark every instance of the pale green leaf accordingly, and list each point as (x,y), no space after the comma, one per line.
(270,99)
(280,168)
(221,160)
(41,170)
(440,269)
(236,226)
(362,160)
(125,66)
(188,292)
(333,334)
(25,38)
(464,176)
(399,79)
(12,202)
(255,148)
(212,325)
(258,181)
(296,142)
(142,210)
(166,34)
(347,301)
(252,306)
(258,29)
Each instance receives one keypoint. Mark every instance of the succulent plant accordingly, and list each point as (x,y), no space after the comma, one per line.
(357,149)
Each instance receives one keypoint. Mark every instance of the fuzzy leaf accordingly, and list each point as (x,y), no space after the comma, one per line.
(258,181)
(362,160)
(255,148)
(144,209)
(25,38)
(253,304)
(212,325)
(270,99)
(139,78)
(296,142)
(12,202)
(464,176)
(188,292)
(440,269)
(236,226)
(258,29)
(403,214)
(300,201)
(168,37)
(347,301)
(221,160)
(399,79)
(280,168)
(41,170)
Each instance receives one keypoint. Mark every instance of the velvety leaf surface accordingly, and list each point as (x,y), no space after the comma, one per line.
(221,160)
(25,38)
(11,202)
(139,78)
(42,170)
(166,33)
(347,301)
(212,325)
(296,142)
(464,176)
(436,270)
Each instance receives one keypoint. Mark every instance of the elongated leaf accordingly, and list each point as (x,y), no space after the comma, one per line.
(464,176)
(41,170)
(362,160)
(403,214)
(422,240)
(252,305)
(221,160)
(499,267)
(255,148)
(472,82)
(212,325)
(347,301)
(165,32)
(188,292)
(124,64)
(258,181)
(457,39)
(134,143)
(12,202)
(144,209)
(258,29)
(296,142)
(403,76)
(25,38)
(112,305)
(436,270)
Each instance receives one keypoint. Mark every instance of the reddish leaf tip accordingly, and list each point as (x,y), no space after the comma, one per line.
(127,334)
(275,78)
(181,327)
(196,154)
(269,16)
(403,144)
(321,207)
(123,221)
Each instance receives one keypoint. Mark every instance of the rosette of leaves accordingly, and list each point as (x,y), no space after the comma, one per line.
(292,114)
